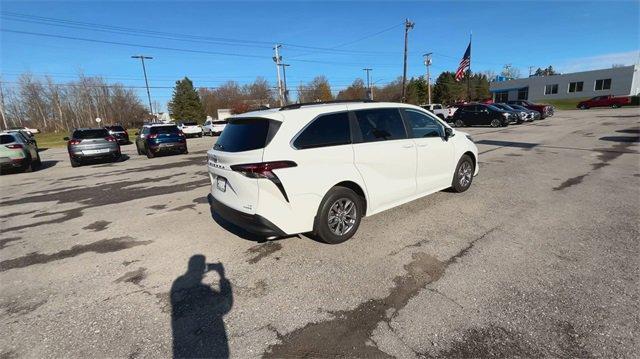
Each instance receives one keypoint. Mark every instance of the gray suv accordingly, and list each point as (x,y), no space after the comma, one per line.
(92,144)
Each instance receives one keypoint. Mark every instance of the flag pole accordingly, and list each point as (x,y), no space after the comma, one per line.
(469,75)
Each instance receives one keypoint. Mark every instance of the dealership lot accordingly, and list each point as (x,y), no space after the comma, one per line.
(538,258)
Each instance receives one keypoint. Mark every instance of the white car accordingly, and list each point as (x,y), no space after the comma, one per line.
(320,168)
(438,110)
(213,127)
(190,129)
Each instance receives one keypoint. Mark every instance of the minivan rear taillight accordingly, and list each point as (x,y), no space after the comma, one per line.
(110,139)
(74,142)
(265,170)
(262,169)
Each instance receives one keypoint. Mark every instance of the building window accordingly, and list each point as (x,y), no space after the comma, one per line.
(523,93)
(502,96)
(551,89)
(575,86)
(604,84)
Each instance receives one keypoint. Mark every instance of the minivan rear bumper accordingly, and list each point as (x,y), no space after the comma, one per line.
(251,223)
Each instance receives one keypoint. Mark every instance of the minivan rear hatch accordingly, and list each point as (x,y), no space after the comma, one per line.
(242,142)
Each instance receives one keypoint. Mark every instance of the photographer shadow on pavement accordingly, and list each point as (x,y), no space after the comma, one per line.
(197,311)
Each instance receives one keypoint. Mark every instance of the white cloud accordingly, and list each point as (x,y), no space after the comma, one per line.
(603,61)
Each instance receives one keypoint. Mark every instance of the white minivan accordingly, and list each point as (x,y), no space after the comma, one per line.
(320,168)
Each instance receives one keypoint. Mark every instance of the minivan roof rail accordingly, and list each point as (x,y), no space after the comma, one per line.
(295,106)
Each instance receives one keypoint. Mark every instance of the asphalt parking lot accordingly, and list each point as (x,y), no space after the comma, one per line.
(538,258)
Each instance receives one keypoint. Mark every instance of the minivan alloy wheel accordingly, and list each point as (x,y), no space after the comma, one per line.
(342,216)
(495,123)
(464,173)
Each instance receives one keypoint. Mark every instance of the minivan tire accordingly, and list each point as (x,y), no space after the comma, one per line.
(459,123)
(466,169)
(321,229)
(495,123)
(149,153)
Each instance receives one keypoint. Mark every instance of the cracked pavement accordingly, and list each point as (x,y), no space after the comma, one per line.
(538,258)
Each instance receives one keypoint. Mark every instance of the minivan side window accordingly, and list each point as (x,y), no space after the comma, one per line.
(327,130)
(380,124)
(423,125)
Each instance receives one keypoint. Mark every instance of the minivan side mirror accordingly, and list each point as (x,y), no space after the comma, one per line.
(66,138)
(448,133)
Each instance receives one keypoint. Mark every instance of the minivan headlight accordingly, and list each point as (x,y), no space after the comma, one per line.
(505,114)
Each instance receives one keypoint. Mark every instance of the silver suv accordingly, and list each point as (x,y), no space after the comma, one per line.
(92,144)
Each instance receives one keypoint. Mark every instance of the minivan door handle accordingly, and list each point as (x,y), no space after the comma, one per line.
(407,146)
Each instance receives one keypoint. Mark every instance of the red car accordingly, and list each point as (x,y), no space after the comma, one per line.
(604,101)
(545,110)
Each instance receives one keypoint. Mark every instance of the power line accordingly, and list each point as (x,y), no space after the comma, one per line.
(171,36)
(176,49)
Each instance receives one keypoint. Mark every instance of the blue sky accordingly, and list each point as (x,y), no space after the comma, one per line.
(570,35)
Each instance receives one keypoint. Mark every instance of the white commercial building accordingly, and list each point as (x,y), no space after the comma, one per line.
(617,81)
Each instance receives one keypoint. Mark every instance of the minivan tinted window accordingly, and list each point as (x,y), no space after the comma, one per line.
(380,124)
(244,135)
(90,134)
(327,130)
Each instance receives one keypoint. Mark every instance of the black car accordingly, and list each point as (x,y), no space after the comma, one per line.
(120,134)
(480,114)
(519,116)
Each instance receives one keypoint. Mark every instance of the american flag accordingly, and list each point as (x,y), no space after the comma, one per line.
(464,63)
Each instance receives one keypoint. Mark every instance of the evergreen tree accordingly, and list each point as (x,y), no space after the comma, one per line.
(185,104)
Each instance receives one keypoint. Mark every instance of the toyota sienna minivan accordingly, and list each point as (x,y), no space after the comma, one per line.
(320,168)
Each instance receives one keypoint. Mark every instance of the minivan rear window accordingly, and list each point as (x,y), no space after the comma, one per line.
(246,134)
(90,134)
(327,130)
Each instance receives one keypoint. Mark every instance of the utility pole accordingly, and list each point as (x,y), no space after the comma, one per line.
(4,116)
(284,78)
(144,70)
(427,63)
(369,93)
(407,26)
(530,70)
(277,58)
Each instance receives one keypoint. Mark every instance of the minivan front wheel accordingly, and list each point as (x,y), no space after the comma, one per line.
(339,215)
(495,123)
(463,175)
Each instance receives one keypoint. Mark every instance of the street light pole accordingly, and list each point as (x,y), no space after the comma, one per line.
(369,94)
(144,70)
(427,63)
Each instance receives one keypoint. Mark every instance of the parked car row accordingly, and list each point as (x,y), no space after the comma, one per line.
(498,114)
